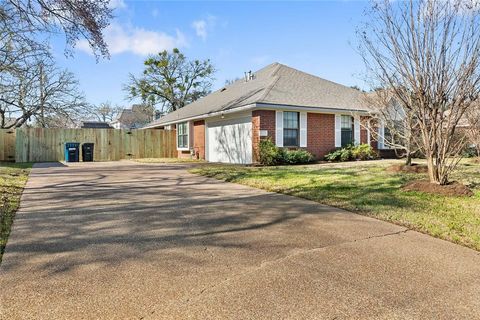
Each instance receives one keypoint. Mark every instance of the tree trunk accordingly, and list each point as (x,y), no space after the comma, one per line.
(408,160)
(432,170)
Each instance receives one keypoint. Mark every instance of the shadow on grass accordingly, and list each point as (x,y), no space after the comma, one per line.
(359,189)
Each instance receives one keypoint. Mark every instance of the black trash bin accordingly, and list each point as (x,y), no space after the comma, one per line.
(72,152)
(87,152)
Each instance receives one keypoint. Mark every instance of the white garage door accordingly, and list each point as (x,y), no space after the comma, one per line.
(230,141)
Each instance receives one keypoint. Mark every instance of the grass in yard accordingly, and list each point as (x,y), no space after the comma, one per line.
(12,180)
(366,188)
(168,160)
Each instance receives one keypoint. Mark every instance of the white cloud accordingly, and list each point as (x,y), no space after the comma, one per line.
(200,27)
(136,40)
(117,4)
(203,26)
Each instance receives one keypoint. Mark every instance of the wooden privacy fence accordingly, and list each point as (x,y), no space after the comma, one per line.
(7,144)
(44,145)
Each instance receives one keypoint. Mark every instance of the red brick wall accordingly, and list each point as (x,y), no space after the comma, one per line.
(183,154)
(199,139)
(262,120)
(363,130)
(374,127)
(320,134)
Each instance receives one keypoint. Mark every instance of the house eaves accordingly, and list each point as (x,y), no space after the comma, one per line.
(263,106)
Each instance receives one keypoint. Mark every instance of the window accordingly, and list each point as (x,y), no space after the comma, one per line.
(290,129)
(182,135)
(347,131)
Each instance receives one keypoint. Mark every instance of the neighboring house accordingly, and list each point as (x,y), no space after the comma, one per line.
(136,117)
(292,108)
(95,125)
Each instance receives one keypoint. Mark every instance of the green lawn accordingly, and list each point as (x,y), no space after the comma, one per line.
(12,180)
(366,188)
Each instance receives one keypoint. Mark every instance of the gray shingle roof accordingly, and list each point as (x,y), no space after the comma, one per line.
(95,125)
(136,117)
(274,84)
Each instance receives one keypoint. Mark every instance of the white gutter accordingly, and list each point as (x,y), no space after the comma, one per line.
(317,109)
(205,115)
(258,105)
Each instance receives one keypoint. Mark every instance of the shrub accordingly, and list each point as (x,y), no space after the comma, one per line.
(270,154)
(470,152)
(297,156)
(334,155)
(351,152)
(363,152)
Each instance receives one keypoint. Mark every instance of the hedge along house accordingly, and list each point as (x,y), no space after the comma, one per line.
(292,108)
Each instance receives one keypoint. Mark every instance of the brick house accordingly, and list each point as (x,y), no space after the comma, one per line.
(292,108)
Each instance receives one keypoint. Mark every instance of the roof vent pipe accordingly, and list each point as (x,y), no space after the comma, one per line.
(249,76)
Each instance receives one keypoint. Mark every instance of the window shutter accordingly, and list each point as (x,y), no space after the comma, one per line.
(356,130)
(338,131)
(381,132)
(190,135)
(303,129)
(279,128)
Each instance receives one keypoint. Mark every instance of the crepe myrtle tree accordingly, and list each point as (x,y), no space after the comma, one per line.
(427,54)
(170,81)
(106,111)
(400,129)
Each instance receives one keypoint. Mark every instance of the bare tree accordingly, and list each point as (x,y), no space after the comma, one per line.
(400,131)
(229,82)
(427,53)
(86,19)
(40,93)
(106,111)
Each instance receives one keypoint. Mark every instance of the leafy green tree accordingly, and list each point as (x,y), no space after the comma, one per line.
(170,81)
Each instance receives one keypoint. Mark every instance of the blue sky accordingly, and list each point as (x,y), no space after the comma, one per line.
(314,36)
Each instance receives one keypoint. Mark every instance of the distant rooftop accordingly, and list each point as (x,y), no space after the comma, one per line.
(95,125)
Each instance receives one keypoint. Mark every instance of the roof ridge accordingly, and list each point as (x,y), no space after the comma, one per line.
(318,77)
(272,84)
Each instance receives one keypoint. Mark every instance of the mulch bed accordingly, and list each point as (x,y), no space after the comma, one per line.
(414,168)
(452,189)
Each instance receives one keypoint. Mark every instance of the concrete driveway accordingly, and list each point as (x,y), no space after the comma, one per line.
(139,241)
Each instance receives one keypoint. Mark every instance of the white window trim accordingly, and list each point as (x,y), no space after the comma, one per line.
(279,128)
(187,148)
(357,135)
(303,130)
(299,130)
(381,134)
(338,131)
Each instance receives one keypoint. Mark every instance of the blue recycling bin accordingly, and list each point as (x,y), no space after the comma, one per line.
(72,152)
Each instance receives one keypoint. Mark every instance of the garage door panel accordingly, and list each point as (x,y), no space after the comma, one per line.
(230,141)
